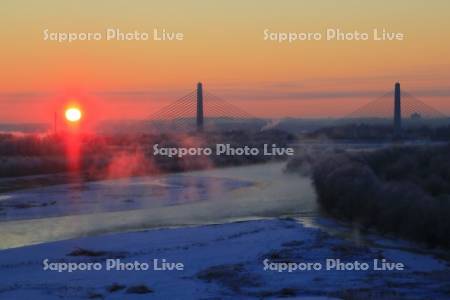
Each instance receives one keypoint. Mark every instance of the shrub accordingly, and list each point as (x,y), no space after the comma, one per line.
(401,191)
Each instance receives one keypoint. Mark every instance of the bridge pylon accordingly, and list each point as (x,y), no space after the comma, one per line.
(397,111)
(200,112)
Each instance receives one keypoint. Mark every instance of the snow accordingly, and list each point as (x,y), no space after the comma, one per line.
(224,261)
(221,224)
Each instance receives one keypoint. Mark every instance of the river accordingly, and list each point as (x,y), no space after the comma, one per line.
(184,199)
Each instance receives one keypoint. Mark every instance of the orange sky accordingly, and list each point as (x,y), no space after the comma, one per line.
(224,48)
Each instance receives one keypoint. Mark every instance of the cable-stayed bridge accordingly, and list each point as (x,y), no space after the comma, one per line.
(383,107)
(199,107)
(396,104)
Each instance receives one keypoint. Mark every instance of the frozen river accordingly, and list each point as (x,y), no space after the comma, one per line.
(194,198)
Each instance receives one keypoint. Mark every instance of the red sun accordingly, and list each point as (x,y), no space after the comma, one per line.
(73,114)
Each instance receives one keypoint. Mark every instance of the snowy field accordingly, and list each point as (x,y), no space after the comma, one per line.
(221,225)
(222,262)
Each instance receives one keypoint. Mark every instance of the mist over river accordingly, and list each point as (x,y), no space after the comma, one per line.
(183,199)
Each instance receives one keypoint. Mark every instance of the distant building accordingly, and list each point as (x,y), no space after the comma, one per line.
(416,116)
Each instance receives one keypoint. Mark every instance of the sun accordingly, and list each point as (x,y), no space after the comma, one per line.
(73,114)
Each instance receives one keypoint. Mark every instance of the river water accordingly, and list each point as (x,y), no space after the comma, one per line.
(186,199)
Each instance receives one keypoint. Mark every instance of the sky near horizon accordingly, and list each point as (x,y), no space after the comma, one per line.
(223,47)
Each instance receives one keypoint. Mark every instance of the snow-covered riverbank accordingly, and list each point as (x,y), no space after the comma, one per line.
(222,262)
(225,227)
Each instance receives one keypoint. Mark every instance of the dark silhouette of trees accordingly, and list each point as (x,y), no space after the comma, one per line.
(403,191)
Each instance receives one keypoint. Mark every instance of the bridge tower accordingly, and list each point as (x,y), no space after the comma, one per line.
(199,107)
(397,111)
